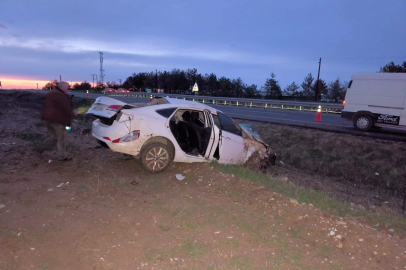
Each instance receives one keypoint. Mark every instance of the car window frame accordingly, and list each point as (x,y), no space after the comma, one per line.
(239,133)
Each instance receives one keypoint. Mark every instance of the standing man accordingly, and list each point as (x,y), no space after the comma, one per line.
(57,113)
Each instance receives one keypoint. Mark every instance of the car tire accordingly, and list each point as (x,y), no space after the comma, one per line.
(156,157)
(363,122)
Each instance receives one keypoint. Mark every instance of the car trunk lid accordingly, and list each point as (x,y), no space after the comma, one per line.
(107,107)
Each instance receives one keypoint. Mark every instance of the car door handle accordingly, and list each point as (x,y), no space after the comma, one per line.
(227,138)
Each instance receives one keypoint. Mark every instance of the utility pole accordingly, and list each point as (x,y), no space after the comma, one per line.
(93,78)
(317,83)
(60,78)
(119,80)
(101,68)
(156,80)
(37,86)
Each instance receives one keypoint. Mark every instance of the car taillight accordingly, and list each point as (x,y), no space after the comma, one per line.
(107,138)
(344,103)
(132,136)
(113,107)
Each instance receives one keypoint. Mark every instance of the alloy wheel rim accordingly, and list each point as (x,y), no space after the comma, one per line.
(157,158)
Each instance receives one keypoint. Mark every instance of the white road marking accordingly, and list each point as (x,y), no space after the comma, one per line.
(266,112)
(284,119)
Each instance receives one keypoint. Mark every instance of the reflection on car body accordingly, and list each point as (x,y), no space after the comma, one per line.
(168,129)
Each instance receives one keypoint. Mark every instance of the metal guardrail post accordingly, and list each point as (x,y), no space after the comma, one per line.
(282,106)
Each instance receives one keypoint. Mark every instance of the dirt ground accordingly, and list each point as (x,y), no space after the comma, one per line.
(110,214)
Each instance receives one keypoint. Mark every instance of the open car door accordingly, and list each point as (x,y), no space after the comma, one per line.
(231,141)
(212,136)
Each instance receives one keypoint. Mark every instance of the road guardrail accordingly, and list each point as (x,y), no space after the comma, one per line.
(241,102)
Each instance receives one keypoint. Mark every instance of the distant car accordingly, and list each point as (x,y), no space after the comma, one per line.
(122,90)
(110,90)
(168,129)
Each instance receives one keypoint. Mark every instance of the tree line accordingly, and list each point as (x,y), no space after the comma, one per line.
(180,81)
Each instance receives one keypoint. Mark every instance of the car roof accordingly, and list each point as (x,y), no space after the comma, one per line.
(189,104)
(379,76)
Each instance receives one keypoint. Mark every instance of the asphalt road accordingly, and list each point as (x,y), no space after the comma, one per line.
(331,122)
(291,117)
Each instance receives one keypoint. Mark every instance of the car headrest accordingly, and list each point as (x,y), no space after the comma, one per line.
(186,116)
(195,115)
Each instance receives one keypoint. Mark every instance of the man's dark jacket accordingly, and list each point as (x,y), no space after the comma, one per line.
(57,108)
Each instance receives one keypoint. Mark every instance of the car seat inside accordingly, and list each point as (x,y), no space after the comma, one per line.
(190,132)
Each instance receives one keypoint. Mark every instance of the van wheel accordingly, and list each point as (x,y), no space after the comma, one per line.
(156,157)
(363,122)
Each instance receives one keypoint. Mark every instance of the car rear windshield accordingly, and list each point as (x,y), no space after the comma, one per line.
(166,112)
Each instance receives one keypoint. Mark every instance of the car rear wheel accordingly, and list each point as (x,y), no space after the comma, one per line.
(156,157)
(363,122)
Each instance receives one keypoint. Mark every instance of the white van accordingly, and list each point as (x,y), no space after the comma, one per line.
(376,99)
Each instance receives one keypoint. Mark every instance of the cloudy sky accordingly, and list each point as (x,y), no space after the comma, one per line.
(42,39)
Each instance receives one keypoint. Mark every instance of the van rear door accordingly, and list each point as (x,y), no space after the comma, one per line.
(402,121)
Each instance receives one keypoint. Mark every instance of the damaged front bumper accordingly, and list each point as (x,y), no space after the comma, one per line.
(258,152)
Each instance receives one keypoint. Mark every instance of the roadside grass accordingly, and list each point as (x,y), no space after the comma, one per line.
(319,199)
(192,249)
(83,109)
(164,227)
(358,161)
(324,251)
(241,262)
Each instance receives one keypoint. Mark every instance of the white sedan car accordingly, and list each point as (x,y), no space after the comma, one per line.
(168,129)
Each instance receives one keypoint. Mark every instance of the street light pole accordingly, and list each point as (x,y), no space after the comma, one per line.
(317,83)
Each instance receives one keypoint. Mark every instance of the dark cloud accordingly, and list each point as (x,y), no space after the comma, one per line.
(215,31)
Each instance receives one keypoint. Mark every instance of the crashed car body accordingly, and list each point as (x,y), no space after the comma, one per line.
(169,129)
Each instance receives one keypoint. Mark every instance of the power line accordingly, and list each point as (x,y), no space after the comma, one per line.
(339,58)
(283,63)
(362,58)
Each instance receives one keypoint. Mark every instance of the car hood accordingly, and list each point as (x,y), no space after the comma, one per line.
(250,129)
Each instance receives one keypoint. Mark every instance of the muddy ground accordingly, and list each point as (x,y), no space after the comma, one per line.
(110,214)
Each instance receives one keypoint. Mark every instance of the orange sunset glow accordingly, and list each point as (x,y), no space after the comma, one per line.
(11,83)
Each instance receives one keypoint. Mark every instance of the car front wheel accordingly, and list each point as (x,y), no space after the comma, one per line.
(363,122)
(156,157)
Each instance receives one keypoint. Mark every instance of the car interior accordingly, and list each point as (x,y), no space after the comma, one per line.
(188,127)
